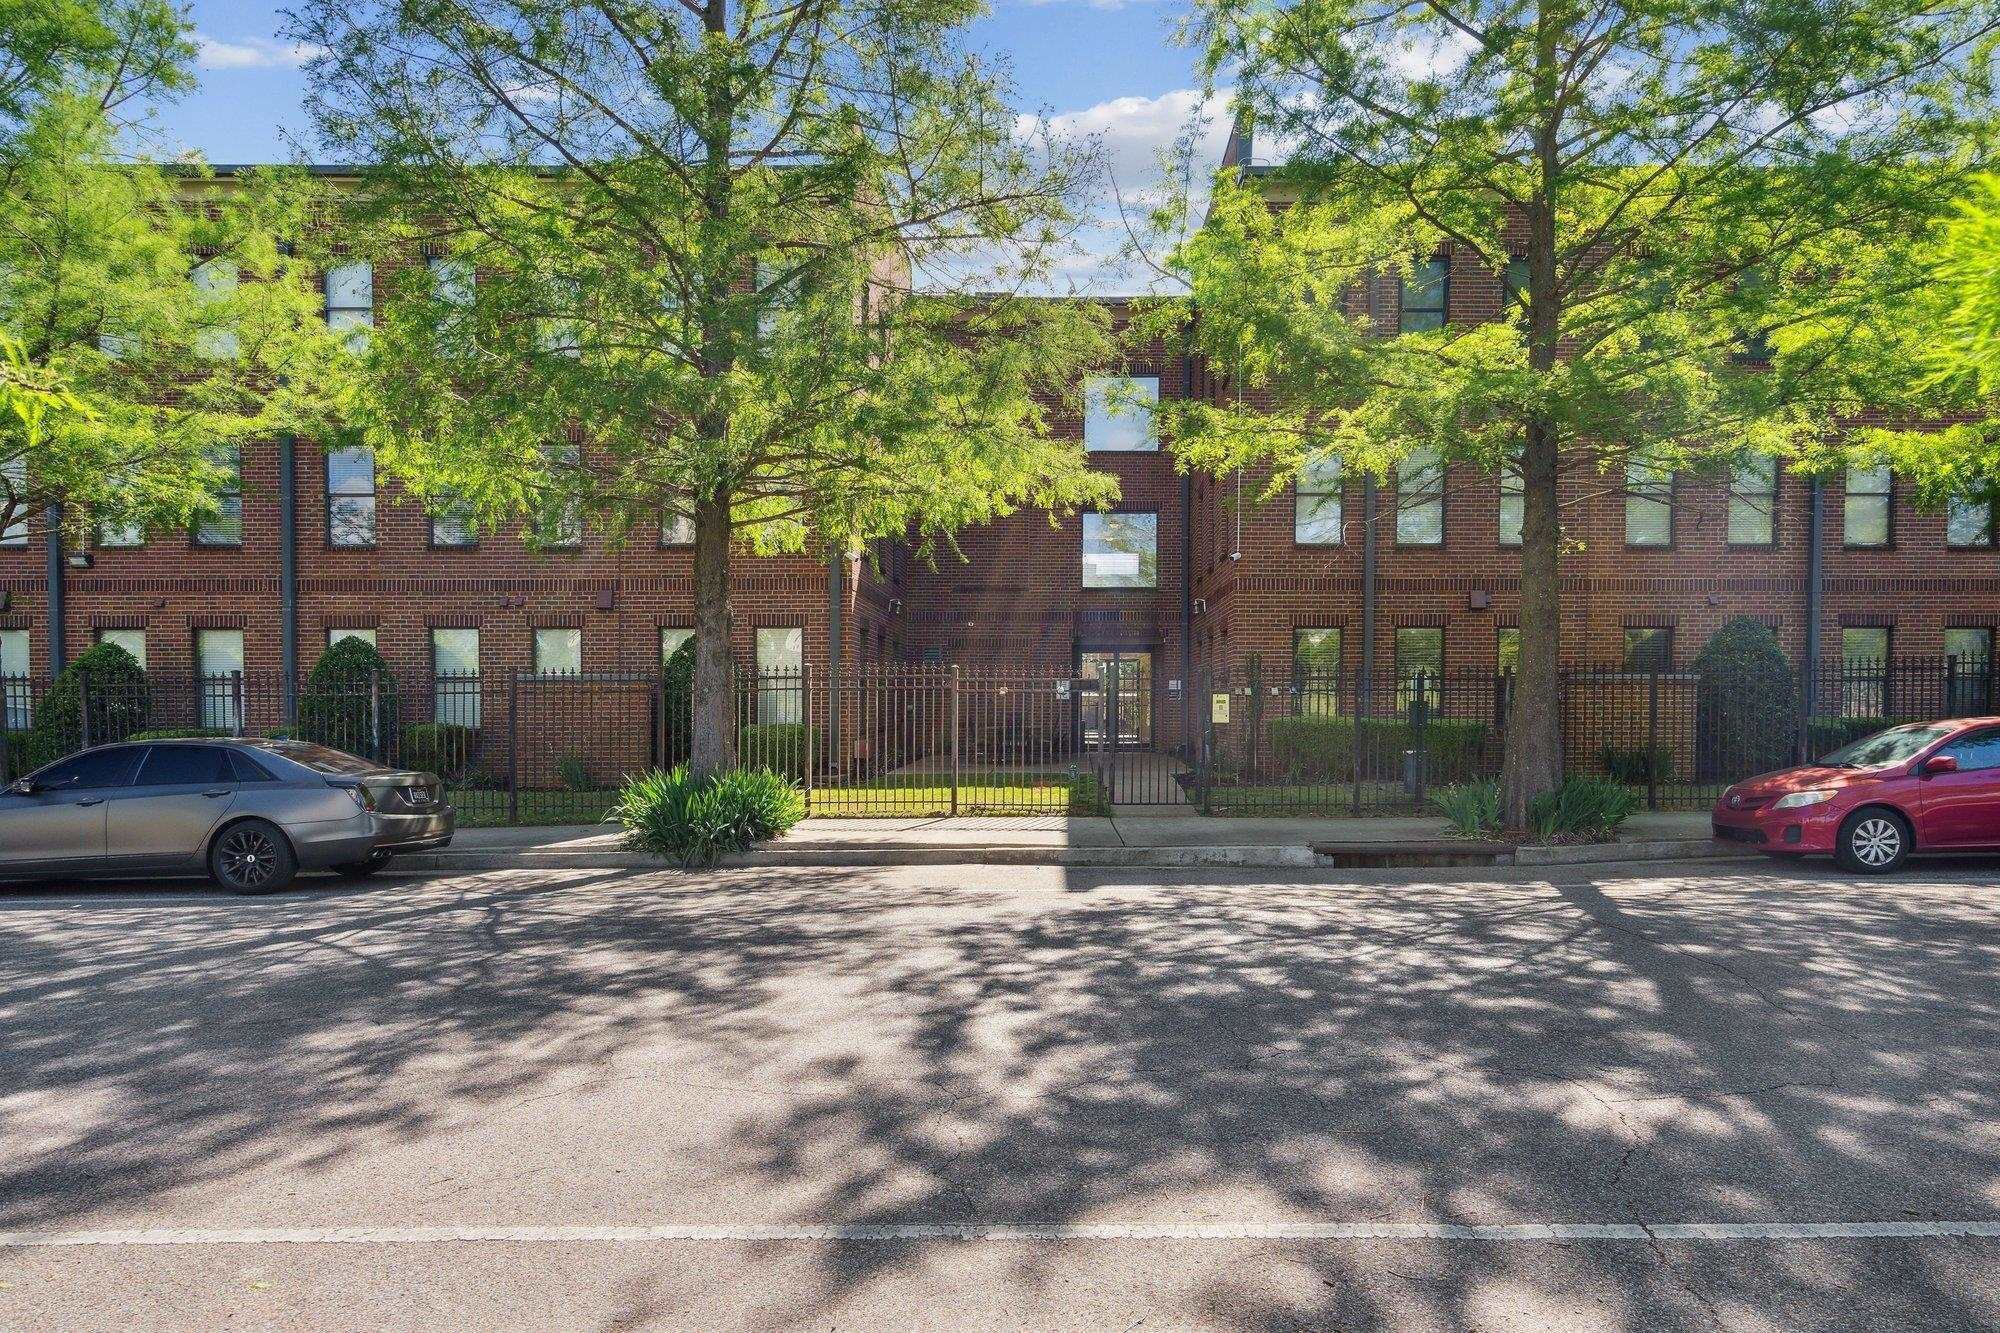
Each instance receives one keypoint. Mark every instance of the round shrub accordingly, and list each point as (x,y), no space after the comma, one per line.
(679,686)
(349,702)
(1747,701)
(119,698)
(697,821)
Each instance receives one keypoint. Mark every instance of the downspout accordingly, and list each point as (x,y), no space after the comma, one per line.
(1366,682)
(288,573)
(836,567)
(52,519)
(1815,579)
(1187,570)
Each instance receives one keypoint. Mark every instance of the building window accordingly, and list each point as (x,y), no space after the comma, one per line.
(1865,512)
(1969,523)
(1420,500)
(1121,550)
(215,280)
(1507,650)
(452,279)
(14,498)
(1969,664)
(224,524)
(671,640)
(1513,503)
(218,658)
(133,641)
(1649,503)
(559,519)
(1649,649)
(781,660)
(1514,284)
(350,496)
(558,652)
(676,529)
(1118,413)
(14,691)
(1424,293)
(1316,517)
(366,636)
(1316,671)
(350,300)
(1753,501)
(455,676)
(1864,671)
(1419,665)
(451,523)
(114,533)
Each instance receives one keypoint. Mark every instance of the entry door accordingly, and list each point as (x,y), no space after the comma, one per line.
(1123,697)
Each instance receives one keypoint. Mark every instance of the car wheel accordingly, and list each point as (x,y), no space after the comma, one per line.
(1873,842)
(252,857)
(362,869)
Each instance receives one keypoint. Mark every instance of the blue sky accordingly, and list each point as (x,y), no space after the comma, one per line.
(1104,68)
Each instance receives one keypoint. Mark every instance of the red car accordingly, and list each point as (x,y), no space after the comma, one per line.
(1921,787)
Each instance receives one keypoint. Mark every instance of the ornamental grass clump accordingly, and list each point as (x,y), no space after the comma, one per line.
(697,821)
(1583,809)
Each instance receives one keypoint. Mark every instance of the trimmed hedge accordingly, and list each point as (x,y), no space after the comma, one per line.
(1746,699)
(181,734)
(120,698)
(349,702)
(781,747)
(444,748)
(1827,734)
(1321,749)
(1637,767)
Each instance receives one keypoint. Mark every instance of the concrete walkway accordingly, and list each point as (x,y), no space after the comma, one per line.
(1068,840)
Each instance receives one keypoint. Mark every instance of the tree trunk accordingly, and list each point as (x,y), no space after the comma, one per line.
(1533,761)
(713,750)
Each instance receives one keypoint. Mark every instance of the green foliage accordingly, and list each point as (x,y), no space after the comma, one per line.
(697,821)
(1582,809)
(1746,700)
(180,734)
(444,748)
(780,746)
(349,702)
(574,773)
(119,698)
(678,682)
(1636,767)
(1824,735)
(1472,808)
(1310,748)
(13,754)
(1087,796)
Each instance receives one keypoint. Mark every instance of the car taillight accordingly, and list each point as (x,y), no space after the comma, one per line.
(362,796)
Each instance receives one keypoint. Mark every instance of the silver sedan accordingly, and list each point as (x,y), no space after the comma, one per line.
(252,813)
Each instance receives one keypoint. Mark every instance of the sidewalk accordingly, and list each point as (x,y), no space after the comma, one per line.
(1143,840)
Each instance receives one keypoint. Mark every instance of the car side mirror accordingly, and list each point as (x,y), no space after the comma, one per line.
(1940,763)
(22,787)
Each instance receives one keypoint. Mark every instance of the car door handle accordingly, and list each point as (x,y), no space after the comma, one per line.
(213,794)
(90,800)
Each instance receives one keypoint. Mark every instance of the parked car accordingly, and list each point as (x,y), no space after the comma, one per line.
(252,813)
(1920,787)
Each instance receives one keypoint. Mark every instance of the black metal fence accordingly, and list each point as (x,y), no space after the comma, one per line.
(940,740)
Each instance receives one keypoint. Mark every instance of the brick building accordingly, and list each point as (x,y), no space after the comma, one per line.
(1189,574)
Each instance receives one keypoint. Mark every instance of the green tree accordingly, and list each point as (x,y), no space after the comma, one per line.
(1691,207)
(154,372)
(680,249)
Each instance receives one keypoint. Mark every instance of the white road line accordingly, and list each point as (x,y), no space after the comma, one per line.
(1534,1232)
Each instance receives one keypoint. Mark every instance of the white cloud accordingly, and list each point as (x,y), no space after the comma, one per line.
(1433,60)
(252,53)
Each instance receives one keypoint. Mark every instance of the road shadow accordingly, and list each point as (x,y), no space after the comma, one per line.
(1728,1046)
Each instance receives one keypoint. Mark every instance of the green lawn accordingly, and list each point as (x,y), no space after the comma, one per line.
(488,809)
(924,794)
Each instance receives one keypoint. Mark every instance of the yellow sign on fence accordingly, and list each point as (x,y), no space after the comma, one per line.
(1218,707)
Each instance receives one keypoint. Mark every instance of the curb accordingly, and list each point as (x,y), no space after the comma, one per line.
(1322,856)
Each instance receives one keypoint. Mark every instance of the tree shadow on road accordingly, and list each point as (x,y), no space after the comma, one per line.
(1732,1047)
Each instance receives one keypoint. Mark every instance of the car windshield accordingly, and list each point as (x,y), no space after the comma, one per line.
(320,759)
(1888,747)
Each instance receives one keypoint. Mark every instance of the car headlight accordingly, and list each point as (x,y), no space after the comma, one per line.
(1798,799)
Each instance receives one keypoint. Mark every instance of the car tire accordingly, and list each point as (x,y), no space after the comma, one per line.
(1873,841)
(362,869)
(252,856)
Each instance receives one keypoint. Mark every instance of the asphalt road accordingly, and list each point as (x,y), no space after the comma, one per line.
(968,1098)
